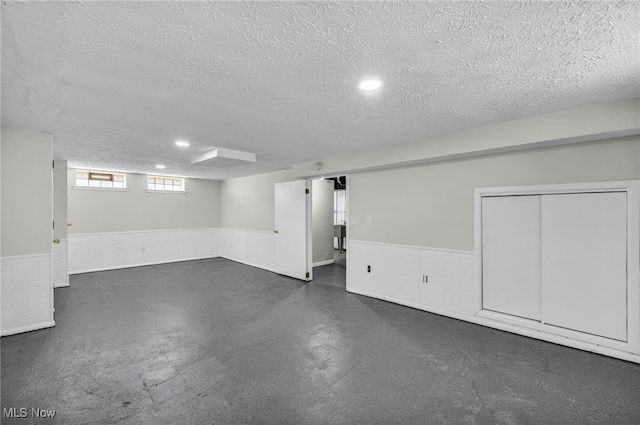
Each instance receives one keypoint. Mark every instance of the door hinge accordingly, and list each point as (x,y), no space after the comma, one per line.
(53,165)
(306,191)
(307,275)
(54,225)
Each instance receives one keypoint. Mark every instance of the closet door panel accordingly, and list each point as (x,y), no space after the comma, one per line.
(584,254)
(511,255)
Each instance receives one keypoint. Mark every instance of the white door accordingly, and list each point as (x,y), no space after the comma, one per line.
(293,229)
(584,262)
(511,255)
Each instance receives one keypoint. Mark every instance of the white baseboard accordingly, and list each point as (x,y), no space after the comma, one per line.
(247,263)
(130,266)
(323,263)
(29,328)
(61,285)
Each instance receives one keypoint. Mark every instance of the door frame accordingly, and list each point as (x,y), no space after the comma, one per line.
(573,338)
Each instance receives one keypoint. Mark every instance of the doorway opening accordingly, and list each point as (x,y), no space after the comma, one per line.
(329,219)
(340,219)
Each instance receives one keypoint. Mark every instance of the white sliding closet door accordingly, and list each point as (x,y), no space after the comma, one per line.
(584,255)
(511,255)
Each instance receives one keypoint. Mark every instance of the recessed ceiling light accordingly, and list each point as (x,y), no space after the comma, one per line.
(370,84)
(182,143)
(160,167)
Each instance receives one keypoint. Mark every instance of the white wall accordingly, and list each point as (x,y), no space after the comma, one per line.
(26,179)
(322,220)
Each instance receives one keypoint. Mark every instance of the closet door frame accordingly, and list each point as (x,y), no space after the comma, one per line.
(559,335)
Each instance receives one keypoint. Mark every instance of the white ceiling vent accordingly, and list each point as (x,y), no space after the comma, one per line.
(224,158)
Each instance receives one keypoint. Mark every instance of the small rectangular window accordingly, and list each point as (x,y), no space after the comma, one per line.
(100,180)
(165,184)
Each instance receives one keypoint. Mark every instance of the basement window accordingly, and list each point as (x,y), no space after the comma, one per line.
(100,180)
(165,184)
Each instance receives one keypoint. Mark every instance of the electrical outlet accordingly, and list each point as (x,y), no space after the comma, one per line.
(368,219)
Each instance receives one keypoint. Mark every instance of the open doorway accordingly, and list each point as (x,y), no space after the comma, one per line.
(329,221)
(340,219)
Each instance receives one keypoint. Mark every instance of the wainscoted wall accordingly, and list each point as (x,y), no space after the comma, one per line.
(447,282)
(440,281)
(27,294)
(103,251)
(252,247)
(60,264)
(450,281)
(428,279)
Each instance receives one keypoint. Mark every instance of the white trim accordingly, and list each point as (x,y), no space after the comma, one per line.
(27,256)
(248,230)
(105,189)
(128,266)
(323,263)
(535,326)
(73,235)
(455,251)
(29,328)
(181,192)
(61,285)
(609,186)
(309,236)
(247,263)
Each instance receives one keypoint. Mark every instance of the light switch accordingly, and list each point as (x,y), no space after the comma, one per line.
(368,219)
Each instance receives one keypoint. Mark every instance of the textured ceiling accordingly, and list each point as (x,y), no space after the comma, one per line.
(118,82)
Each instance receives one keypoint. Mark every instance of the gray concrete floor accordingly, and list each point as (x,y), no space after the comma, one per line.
(214,341)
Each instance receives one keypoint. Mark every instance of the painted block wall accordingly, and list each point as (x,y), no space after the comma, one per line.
(97,211)
(114,250)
